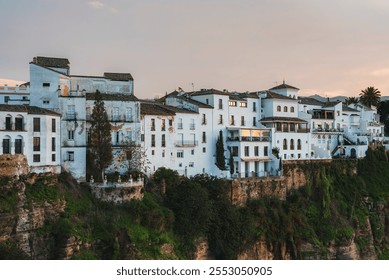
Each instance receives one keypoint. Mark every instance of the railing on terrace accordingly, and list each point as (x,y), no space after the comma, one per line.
(186,143)
(335,130)
(248,139)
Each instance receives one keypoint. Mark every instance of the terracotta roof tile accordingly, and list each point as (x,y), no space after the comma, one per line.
(27,109)
(51,62)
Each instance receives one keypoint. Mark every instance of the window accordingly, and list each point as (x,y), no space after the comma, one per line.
(19,123)
(163,153)
(142,137)
(298,144)
(53,125)
(37,124)
(37,144)
(152,124)
(232,103)
(278,108)
(235,151)
(46,84)
(179,124)
(291,144)
(292,109)
(117,137)
(203,119)
(53,144)
(246,151)
(266,151)
(71,112)
(191,164)
(180,154)
(115,113)
(242,121)
(256,151)
(192,152)
(232,120)
(70,156)
(8,123)
(36,158)
(163,125)
(254,107)
(192,124)
(6,146)
(204,137)
(285,144)
(207,101)
(52,157)
(6,99)
(220,104)
(292,127)
(170,122)
(152,152)
(163,141)
(285,109)
(254,121)
(152,140)
(46,101)
(129,114)
(220,119)
(18,146)
(70,134)
(243,104)
(204,150)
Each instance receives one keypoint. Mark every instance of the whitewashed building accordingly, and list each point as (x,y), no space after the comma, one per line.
(33,132)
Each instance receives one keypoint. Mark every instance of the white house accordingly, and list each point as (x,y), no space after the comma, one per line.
(34,132)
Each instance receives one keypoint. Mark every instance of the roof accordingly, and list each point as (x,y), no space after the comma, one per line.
(148,108)
(282,119)
(310,101)
(51,62)
(112,96)
(186,97)
(331,104)
(273,95)
(27,109)
(118,76)
(284,86)
(346,108)
(154,108)
(209,91)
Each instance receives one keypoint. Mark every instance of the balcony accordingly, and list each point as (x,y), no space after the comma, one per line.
(192,126)
(179,125)
(248,139)
(70,116)
(191,143)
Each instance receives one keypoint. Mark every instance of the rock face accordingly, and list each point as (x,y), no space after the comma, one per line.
(23,224)
(13,165)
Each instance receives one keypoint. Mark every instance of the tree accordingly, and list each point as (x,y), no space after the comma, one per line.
(383,111)
(100,137)
(220,158)
(231,161)
(351,100)
(370,96)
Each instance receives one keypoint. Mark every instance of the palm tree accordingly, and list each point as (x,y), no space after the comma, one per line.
(351,100)
(370,96)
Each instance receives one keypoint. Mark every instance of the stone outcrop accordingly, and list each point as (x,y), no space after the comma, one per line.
(13,165)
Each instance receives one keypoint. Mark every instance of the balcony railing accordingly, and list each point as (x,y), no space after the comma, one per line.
(192,126)
(179,125)
(186,143)
(70,116)
(248,139)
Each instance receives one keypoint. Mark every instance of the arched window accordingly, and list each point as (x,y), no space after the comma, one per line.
(298,144)
(19,123)
(278,108)
(285,109)
(19,145)
(291,144)
(285,146)
(8,122)
(319,139)
(6,144)
(292,109)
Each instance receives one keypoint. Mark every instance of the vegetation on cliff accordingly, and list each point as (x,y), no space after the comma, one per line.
(334,209)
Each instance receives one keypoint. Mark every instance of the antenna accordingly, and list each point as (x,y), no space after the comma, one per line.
(192,86)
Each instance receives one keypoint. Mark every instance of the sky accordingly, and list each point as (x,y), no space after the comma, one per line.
(326,47)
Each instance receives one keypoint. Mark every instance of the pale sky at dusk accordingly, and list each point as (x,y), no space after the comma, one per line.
(333,47)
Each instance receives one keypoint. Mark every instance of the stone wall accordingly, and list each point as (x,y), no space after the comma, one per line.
(13,165)
(118,192)
(295,174)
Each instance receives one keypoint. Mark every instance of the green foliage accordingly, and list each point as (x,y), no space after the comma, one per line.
(167,176)
(10,251)
(100,147)
(383,111)
(40,192)
(370,96)
(8,200)
(220,158)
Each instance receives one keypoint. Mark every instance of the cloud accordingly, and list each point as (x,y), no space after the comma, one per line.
(383,72)
(96,4)
(114,10)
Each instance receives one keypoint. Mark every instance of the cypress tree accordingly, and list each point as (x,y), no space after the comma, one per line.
(220,158)
(100,136)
